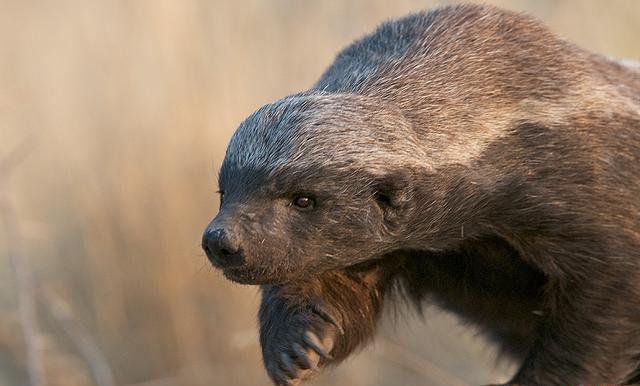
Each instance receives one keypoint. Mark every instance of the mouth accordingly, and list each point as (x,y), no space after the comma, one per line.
(237,274)
(245,275)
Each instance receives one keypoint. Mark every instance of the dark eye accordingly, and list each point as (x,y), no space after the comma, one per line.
(303,202)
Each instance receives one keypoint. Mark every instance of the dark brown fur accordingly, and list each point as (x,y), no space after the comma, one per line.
(466,156)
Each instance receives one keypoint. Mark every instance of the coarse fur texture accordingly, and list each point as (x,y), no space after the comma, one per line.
(464,156)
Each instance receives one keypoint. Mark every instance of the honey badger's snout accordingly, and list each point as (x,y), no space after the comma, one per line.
(222,246)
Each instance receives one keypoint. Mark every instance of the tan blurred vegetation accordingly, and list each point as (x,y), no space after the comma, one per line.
(126,107)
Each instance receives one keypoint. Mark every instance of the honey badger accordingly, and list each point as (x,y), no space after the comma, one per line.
(466,156)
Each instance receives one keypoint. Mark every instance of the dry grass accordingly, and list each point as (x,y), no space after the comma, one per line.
(129,105)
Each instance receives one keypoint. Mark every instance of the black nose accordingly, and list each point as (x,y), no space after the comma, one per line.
(221,249)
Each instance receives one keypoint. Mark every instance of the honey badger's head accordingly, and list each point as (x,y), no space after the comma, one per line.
(310,183)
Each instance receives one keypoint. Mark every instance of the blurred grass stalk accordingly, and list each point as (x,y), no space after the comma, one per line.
(87,347)
(23,277)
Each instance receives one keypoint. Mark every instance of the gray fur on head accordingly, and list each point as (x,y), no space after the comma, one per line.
(320,129)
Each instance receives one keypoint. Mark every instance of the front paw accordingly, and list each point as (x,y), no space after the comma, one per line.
(296,342)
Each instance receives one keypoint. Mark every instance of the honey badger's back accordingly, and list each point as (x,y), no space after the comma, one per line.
(471,71)
(469,51)
(469,45)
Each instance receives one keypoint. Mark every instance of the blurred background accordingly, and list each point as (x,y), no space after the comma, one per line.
(114,117)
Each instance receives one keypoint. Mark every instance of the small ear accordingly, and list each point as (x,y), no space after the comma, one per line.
(392,192)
